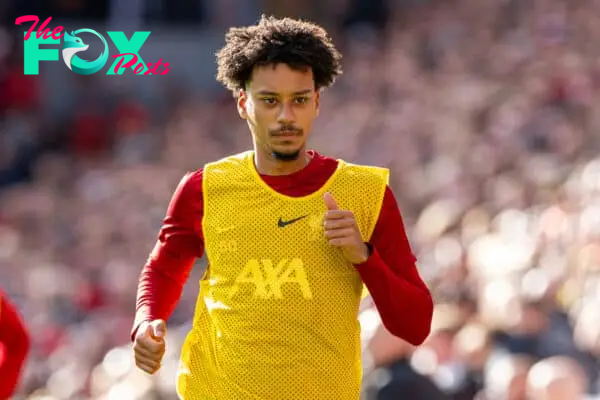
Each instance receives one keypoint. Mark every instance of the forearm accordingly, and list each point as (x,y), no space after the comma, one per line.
(390,273)
(158,292)
(179,244)
(14,347)
(11,365)
(406,308)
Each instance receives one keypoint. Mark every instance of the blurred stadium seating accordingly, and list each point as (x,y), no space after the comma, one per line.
(485,111)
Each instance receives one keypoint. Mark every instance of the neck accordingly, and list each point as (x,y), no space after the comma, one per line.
(266,164)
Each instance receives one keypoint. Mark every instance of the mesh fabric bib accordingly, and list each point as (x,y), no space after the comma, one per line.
(276,316)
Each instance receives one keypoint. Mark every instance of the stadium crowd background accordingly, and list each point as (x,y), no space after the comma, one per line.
(487,113)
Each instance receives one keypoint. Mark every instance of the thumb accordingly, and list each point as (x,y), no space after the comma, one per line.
(159,328)
(330,202)
(144,331)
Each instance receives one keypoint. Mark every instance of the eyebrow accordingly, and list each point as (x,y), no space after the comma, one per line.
(269,93)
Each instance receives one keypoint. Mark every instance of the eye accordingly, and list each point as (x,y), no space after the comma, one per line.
(269,100)
(301,100)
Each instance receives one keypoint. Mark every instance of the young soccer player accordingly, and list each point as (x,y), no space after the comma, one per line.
(290,235)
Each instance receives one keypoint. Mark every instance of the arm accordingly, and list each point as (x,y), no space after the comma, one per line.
(14,347)
(390,273)
(179,243)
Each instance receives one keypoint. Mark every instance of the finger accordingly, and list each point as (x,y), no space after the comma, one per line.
(330,202)
(338,223)
(338,214)
(152,345)
(152,362)
(149,368)
(339,233)
(159,328)
(144,331)
(147,353)
(341,242)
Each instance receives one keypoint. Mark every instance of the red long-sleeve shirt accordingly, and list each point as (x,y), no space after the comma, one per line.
(14,347)
(400,295)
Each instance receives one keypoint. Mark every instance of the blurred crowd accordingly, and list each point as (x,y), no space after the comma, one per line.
(486,112)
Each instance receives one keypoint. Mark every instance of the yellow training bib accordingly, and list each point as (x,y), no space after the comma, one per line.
(276,316)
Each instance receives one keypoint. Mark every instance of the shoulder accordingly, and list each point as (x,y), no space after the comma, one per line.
(188,190)
(364,171)
(192,180)
(235,160)
(346,166)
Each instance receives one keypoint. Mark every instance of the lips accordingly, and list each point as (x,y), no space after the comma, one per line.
(286,134)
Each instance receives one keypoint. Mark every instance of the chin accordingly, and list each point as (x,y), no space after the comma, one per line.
(286,155)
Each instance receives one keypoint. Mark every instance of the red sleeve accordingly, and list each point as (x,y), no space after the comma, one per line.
(400,295)
(179,243)
(14,347)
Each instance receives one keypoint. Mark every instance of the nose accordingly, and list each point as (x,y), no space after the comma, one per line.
(286,115)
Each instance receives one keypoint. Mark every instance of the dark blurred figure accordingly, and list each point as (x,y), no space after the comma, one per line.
(373,13)
(394,377)
(181,11)
(96,10)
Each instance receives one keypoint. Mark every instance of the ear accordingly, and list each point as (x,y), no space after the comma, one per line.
(242,99)
(317,101)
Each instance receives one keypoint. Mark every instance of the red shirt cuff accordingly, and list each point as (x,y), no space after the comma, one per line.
(369,260)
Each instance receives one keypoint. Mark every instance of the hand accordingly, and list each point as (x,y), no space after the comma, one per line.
(342,231)
(149,345)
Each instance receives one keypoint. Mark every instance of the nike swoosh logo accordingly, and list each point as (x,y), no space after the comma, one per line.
(281,223)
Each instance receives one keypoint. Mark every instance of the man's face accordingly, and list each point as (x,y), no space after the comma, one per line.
(280,104)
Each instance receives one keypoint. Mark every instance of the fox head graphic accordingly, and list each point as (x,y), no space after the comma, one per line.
(73,45)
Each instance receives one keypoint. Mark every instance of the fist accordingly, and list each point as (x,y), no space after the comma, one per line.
(341,230)
(149,345)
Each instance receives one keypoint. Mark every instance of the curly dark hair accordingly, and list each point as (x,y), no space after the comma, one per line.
(299,44)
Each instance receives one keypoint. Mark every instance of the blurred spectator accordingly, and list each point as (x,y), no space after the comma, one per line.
(506,378)
(89,134)
(556,378)
(393,376)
